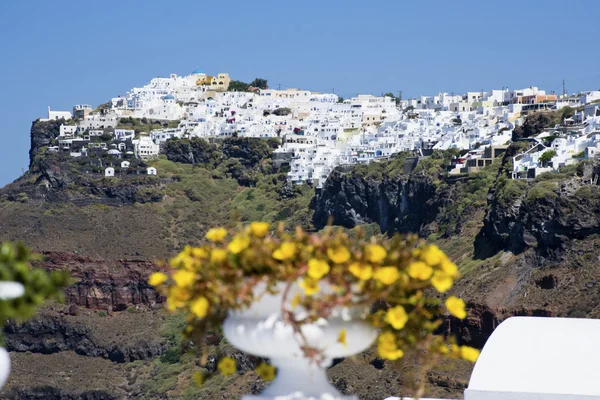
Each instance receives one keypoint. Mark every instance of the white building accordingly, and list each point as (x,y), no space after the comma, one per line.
(145,148)
(56,115)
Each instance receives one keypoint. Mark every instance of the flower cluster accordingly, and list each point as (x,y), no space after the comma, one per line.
(396,274)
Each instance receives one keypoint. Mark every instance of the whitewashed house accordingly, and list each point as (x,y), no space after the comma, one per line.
(109,172)
(145,148)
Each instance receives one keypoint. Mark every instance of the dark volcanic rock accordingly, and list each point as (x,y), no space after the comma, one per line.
(481,321)
(402,204)
(42,134)
(546,216)
(54,393)
(52,334)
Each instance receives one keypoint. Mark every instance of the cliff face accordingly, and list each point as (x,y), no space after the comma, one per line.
(546,214)
(42,134)
(481,321)
(401,204)
(58,181)
(105,285)
(404,196)
(54,393)
(49,334)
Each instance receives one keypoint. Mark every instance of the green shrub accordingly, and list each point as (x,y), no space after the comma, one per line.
(22,197)
(544,190)
(171,356)
(547,157)
(509,190)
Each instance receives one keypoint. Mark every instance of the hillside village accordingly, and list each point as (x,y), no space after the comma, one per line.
(320,131)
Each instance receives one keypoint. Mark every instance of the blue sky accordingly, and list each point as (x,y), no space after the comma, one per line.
(60,53)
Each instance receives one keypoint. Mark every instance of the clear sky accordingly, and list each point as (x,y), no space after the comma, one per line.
(59,53)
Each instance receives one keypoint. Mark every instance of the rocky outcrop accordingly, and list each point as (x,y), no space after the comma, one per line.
(544,214)
(42,134)
(54,393)
(58,181)
(105,285)
(401,204)
(481,321)
(52,334)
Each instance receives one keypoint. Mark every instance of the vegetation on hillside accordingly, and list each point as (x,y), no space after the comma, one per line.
(145,125)
(239,86)
(535,123)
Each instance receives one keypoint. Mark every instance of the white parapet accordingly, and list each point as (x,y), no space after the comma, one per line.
(529,358)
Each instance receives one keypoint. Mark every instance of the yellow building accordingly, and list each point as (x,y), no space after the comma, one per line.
(218,83)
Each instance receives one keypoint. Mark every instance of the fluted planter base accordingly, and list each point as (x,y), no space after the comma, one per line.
(300,379)
(262,331)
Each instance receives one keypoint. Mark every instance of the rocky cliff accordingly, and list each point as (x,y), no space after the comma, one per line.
(481,321)
(546,214)
(397,204)
(53,333)
(423,200)
(112,285)
(42,134)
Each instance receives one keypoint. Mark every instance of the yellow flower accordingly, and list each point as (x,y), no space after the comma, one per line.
(157,278)
(396,317)
(449,268)
(216,234)
(296,301)
(218,256)
(286,251)
(432,255)
(179,293)
(441,281)
(443,348)
(455,350)
(177,298)
(342,337)
(183,260)
(266,371)
(389,353)
(310,286)
(386,347)
(456,307)
(375,253)
(199,307)
(339,254)
(199,252)
(226,366)
(184,278)
(420,270)
(387,275)
(317,268)
(198,378)
(259,229)
(239,244)
(387,337)
(469,353)
(364,272)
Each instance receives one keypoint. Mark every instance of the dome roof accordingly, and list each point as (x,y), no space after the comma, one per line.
(198,71)
(168,97)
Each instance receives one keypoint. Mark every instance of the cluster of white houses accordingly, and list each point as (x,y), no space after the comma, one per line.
(320,131)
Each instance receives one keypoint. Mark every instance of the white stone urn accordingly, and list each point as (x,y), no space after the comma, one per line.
(261,331)
(8,290)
